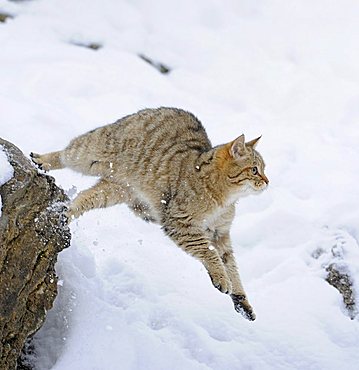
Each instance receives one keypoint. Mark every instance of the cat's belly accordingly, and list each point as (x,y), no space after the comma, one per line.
(142,207)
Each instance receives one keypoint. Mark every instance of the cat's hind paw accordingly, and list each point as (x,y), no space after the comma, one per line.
(242,306)
(71,214)
(36,158)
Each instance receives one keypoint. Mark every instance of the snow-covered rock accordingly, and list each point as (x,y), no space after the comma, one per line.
(32,233)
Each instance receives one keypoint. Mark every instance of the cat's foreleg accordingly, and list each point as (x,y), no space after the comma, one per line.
(103,194)
(238,295)
(194,242)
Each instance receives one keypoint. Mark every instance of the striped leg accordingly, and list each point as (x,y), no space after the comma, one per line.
(194,242)
(103,194)
(239,297)
(48,161)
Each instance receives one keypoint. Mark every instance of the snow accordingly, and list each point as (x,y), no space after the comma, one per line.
(289,71)
(6,170)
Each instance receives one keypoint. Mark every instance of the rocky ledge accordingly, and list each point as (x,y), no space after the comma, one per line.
(32,233)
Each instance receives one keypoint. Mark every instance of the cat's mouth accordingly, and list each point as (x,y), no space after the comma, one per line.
(260,185)
(252,188)
(246,189)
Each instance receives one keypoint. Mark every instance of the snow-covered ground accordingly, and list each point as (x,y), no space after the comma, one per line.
(129,299)
(6,170)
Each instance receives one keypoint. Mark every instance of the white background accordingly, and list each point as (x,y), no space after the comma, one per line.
(287,70)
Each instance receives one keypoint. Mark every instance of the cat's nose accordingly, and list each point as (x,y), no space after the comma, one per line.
(265,179)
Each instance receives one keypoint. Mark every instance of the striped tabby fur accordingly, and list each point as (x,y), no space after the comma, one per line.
(161,163)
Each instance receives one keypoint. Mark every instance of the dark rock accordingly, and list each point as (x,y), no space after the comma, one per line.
(342,282)
(4,17)
(332,255)
(32,233)
(90,45)
(159,66)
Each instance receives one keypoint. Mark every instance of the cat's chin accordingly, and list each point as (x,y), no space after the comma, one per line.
(245,190)
(257,191)
(248,189)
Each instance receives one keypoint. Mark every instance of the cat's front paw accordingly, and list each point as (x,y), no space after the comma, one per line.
(242,306)
(221,282)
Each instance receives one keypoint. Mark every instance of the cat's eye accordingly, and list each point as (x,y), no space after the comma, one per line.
(254,170)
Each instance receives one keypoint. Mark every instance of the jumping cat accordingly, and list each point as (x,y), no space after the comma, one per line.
(161,163)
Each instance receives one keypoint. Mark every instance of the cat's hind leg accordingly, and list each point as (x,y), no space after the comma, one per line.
(103,194)
(48,161)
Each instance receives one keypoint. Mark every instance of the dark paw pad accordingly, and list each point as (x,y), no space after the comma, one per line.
(219,287)
(34,155)
(242,306)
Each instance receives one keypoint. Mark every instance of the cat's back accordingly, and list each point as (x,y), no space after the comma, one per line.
(148,128)
(151,134)
(150,141)
(168,123)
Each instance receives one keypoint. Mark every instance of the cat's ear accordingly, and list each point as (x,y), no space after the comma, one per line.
(238,147)
(253,143)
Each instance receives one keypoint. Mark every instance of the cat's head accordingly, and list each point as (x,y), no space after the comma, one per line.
(242,166)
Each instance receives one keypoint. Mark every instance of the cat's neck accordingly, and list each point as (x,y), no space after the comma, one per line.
(214,180)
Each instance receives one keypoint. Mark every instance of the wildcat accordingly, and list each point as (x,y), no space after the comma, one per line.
(161,163)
